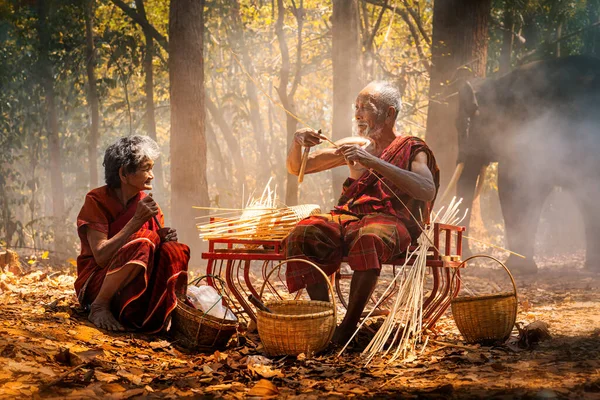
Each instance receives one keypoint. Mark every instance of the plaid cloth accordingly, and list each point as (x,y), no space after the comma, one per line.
(325,239)
(369,224)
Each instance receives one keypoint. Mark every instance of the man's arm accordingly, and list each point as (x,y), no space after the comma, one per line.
(319,160)
(418,182)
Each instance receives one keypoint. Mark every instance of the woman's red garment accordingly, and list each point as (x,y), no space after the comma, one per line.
(146,303)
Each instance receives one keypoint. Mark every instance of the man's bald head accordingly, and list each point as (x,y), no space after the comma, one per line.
(385,95)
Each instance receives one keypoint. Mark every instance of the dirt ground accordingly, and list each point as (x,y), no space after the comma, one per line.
(48,349)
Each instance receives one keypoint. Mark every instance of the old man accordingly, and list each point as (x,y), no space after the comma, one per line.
(388,196)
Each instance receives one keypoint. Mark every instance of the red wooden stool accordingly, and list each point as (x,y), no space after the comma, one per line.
(233,259)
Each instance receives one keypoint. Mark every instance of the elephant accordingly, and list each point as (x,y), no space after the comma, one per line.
(541,123)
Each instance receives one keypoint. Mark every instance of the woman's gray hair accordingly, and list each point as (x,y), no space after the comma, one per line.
(127,152)
(387,95)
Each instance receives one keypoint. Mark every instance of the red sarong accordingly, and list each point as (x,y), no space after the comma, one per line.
(146,303)
(369,224)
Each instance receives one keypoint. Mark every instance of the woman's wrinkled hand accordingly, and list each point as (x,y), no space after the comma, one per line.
(146,209)
(167,235)
(308,137)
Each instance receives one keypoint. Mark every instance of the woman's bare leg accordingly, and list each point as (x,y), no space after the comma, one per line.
(100,313)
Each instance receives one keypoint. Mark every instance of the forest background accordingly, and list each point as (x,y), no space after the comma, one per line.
(210,80)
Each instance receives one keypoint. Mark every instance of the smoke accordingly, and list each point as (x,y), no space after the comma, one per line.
(552,161)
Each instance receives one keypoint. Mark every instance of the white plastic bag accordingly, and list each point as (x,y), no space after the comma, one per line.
(207,299)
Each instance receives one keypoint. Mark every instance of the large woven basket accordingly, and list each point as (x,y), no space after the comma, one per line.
(194,329)
(486,319)
(296,326)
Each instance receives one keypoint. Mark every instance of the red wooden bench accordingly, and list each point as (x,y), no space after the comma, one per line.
(232,259)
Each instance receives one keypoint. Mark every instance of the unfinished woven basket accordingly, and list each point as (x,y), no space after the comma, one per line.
(486,319)
(194,329)
(259,223)
(296,326)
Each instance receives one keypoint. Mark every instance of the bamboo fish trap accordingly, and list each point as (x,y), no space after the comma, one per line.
(259,223)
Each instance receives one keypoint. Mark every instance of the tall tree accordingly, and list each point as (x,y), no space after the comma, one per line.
(92,94)
(150,120)
(368,38)
(287,98)
(232,143)
(54,148)
(591,38)
(507,37)
(459,47)
(346,74)
(188,143)
(241,45)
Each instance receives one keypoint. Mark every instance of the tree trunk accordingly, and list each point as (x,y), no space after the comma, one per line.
(215,151)
(47,81)
(92,94)
(287,99)
(150,120)
(188,143)
(239,40)
(346,75)
(460,34)
(507,39)
(591,39)
(558,38)
(232,143)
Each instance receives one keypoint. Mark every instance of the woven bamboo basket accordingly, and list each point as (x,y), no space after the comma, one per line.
(194,329)
(296,326)
(486,319)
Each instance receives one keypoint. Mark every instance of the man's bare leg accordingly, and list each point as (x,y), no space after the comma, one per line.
(100,313)
(361,287)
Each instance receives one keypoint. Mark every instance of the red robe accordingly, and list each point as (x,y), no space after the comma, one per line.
(146,303)
(369,225)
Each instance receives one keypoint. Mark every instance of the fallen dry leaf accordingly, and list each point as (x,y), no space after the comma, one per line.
(132,377)
(104,377)
(265,371)
(161,344)
(31,367)
(263,388)
(113,388)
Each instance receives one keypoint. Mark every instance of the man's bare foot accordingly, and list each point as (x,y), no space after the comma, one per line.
(341,335)
(102,317)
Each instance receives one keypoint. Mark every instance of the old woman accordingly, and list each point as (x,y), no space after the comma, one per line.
(130,270)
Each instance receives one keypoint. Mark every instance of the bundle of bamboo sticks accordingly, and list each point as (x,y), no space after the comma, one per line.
(401,331)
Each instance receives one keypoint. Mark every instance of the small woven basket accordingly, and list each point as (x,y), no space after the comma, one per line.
(486,319)
(194,329)
(296,326)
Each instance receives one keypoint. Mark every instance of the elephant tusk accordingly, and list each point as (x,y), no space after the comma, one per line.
(455,177)
(480,181)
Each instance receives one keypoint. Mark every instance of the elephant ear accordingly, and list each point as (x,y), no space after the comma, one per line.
(467,108)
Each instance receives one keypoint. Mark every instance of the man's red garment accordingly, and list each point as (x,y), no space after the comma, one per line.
(370,224)
(149,299)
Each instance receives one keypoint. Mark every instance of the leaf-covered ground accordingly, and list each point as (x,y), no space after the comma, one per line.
(48,349)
